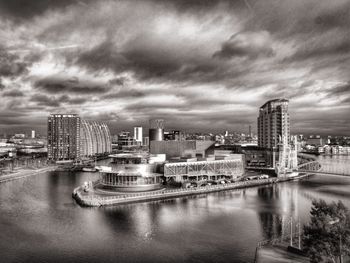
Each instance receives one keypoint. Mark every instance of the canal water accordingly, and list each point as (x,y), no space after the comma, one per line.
(40,222)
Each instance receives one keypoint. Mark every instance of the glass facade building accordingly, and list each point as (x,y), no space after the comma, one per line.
(95,138)
(273,124)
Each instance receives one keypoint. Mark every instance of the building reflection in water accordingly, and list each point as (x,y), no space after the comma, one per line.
(282,203)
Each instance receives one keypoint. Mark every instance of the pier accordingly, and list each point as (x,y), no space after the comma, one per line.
(91,200)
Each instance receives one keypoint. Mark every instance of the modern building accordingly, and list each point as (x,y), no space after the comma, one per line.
(138,135)
(33,134)
(212,170)
(95,138)
(156,130)
(63,137)
(273,124)
(70,138)
(125,140)
(132,172)
(189,148)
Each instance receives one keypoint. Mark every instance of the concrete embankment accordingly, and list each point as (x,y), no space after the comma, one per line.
(91,200)
(25,173)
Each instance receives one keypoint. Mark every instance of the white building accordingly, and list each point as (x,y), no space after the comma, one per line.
(33,134)
(138,134)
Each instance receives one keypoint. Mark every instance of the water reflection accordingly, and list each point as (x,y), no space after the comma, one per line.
(271,220)
(40,222)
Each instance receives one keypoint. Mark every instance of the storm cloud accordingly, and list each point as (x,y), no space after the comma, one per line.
(201,65)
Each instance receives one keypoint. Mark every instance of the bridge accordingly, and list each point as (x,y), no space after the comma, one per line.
(314,166)
(325,168)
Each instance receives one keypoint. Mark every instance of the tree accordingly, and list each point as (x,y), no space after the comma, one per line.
(327,236)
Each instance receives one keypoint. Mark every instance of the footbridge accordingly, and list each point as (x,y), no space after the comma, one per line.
(330,168)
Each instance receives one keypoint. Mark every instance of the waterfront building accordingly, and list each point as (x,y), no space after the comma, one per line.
(273,123)
(95,138)
(7,149)
(211,170)
(315,140)
(138,135)
(33,134)
(156,130)
(63,137)
(132,173)
(19,136)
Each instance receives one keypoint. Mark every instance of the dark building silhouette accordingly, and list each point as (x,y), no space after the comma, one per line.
(156,130)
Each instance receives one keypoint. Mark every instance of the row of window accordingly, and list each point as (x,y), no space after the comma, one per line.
(114,179)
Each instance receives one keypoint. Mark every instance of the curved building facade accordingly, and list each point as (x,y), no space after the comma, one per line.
(130,173)
(95,138)
(156,130)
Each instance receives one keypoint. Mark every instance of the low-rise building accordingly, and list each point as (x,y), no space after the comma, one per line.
(206,171)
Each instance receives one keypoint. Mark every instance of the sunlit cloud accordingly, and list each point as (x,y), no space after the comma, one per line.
(201,65)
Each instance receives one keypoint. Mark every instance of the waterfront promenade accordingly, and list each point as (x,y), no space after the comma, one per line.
(25,173)
(278,254)
(91,199)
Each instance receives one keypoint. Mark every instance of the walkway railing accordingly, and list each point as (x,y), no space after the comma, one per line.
(94,200)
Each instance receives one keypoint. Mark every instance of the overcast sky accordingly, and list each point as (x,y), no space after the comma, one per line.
(200,65)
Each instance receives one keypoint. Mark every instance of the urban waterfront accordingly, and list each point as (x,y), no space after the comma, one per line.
(40,221)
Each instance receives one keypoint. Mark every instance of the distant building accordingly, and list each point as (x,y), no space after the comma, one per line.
(138,134)
(156,130)
(63,137)
(273,123)
(95,138)
(125,140)
(315,140)
(19,135)
(145,141)
(177,135)
(33,134)
(189,148)
(172,136)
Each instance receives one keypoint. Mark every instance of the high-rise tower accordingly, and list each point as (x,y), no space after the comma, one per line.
(63,137)
(273,124)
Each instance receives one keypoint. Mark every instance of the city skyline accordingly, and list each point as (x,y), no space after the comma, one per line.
(199,66)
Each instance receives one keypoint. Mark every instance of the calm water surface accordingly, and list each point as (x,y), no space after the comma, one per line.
(40,222)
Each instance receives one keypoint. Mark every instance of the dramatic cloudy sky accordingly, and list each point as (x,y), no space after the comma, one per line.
(201,65)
